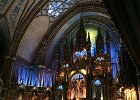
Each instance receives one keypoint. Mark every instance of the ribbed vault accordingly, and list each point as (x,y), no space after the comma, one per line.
(65,21)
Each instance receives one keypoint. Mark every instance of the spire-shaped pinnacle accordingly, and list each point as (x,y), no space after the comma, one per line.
(58,53)
(71,45)
(88,42)
(81,35)
(71,51)
(99,42)
(108,42)
(81,23)
(66,51)
(89,38)
(88,46)
(58,58)
(107,36)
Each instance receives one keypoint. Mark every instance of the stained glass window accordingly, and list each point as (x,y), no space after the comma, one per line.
(79,55)
(58,7)
(77,76)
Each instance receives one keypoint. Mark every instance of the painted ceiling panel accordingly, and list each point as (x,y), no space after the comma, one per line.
(28,7)
(18,8)
(14,14)
(32,37)
(31,4)
(4,4)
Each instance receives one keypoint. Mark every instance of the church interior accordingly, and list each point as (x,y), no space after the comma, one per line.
(69,50)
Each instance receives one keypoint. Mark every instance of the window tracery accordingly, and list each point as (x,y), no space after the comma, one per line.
(57,7)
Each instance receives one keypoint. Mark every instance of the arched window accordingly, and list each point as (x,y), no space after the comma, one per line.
(60,93)
(97,90)
(80,55)
(48,93)
(20,91)
(56,7)
(77,77)
(77,87)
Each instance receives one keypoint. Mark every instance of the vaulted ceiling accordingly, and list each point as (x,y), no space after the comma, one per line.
(34,27)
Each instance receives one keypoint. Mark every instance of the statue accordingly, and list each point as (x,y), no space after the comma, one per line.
(21,89)
(48,95)
(20,97)
(77,89)
(72,93)
(47,98)
(34,97)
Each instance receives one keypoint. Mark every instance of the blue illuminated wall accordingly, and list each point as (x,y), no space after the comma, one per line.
(114,47)
(30,76)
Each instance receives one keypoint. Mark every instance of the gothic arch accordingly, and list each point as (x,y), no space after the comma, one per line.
(63,19)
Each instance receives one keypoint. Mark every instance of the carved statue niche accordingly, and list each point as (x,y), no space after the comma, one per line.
(97,91)
(60,90)
(78,89)
(35,93)
(48,93)
(20,91)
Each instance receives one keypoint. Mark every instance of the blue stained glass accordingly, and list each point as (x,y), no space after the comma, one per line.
(84,52)
(77,54)
(77,76)
(50,11)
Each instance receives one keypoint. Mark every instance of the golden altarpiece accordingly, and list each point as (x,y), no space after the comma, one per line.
(77,74)
(81,76)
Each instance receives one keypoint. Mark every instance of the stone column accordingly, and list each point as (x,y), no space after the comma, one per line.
(88,87)
(8,92)
(1,81)
(65,84)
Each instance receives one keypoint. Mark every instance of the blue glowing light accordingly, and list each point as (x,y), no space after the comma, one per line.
(30,77)
(60,87)
(77,76)
(114,47)
(97,82)
(79,54)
